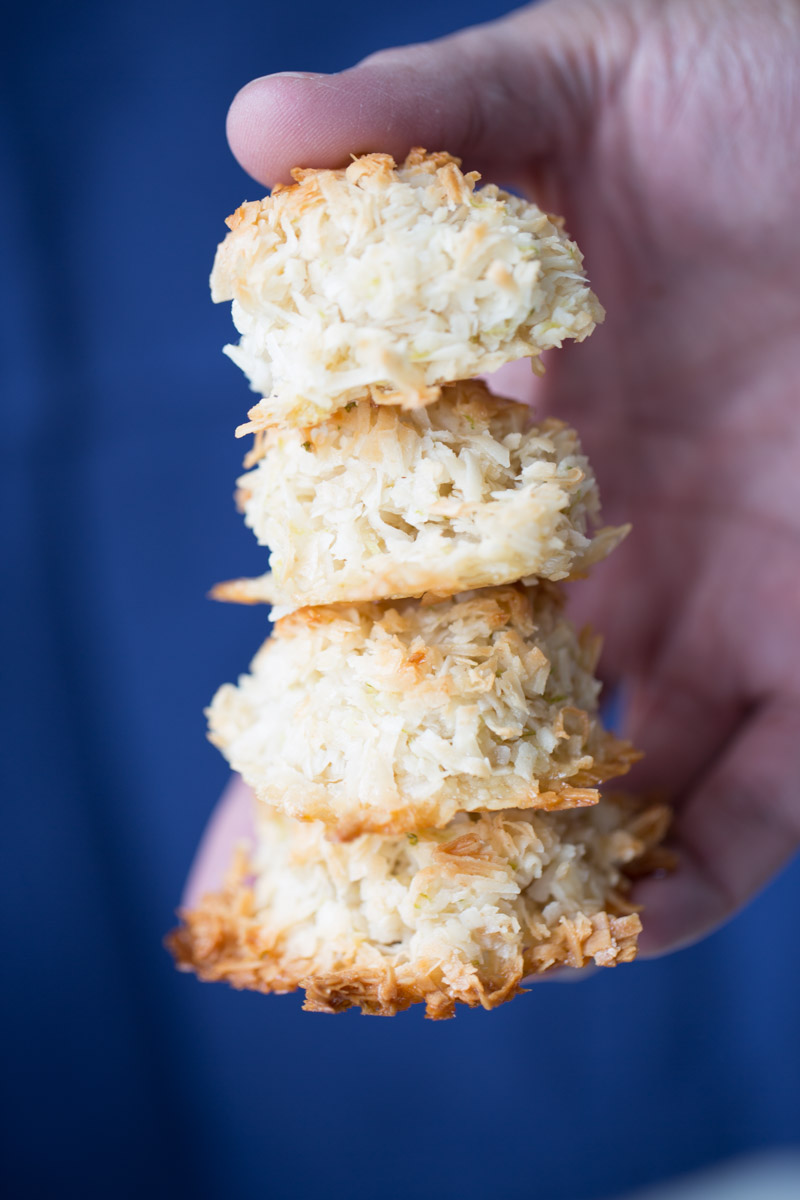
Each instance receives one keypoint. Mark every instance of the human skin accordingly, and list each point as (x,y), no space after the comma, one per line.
(668,133)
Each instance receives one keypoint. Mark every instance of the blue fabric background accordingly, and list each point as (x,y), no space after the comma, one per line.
(120,1077)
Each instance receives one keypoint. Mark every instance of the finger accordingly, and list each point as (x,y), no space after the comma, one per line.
(681,724)
(734,833)
(499,95)
(230,823)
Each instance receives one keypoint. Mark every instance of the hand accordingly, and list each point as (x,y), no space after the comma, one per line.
(668,133)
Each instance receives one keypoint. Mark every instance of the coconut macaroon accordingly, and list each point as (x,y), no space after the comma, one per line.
(392,717)
(458,915)
(382,281)
(379,502)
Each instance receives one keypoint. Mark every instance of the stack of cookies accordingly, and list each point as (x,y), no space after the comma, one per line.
(421,730)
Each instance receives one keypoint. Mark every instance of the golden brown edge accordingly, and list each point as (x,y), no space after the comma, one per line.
(555,795)
(221,940)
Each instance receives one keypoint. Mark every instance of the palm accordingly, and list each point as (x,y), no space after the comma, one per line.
(685,395)
(687,409)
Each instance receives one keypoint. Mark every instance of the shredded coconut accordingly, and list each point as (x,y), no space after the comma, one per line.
(458,914)
(389,717)
(385,282)
(378,503)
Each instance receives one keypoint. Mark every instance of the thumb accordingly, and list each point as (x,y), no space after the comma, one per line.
(502,96)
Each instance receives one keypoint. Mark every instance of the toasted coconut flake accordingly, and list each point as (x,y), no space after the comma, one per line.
(383,282)
(459,915)
(387,717)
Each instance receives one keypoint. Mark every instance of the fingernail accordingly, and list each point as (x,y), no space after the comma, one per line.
(294,75)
